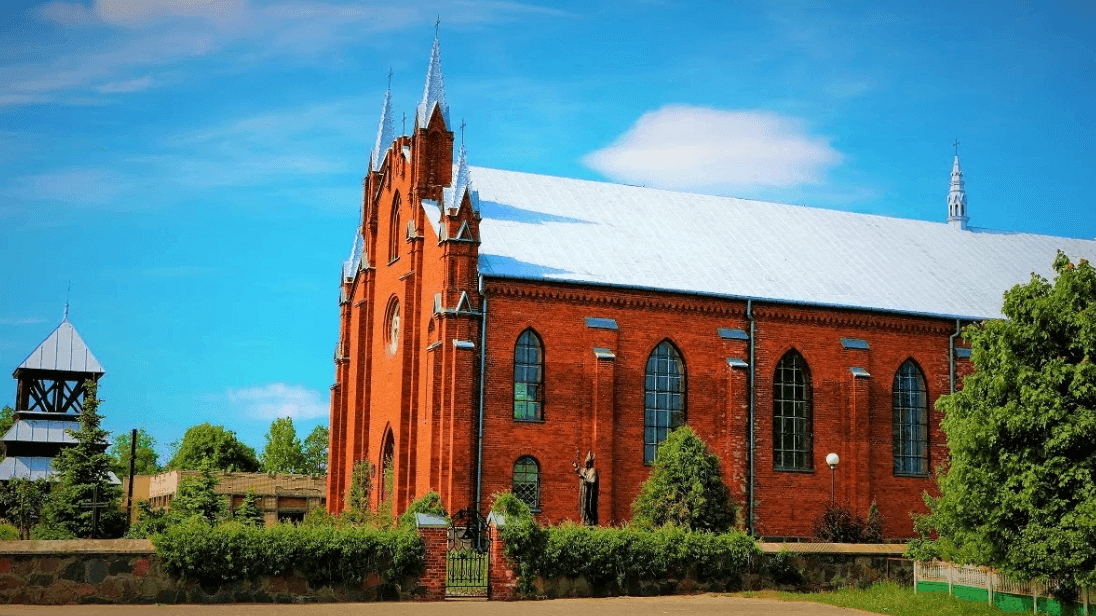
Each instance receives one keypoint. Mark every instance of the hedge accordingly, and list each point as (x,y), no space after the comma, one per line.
(613,557)
(324,555)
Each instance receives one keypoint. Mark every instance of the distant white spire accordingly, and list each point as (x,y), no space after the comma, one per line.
(957,197)
(433,93)
(386,130)
(351,265)
(462,182)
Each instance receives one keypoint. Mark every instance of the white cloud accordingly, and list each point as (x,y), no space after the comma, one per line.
(66,13)
(142,12)
(130,85)
(279,400)
(78,185)
(21,320)
(699,148)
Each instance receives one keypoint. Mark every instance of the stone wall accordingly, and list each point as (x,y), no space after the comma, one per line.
(128,571)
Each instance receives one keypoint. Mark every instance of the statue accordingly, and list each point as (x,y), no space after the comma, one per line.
(587,490)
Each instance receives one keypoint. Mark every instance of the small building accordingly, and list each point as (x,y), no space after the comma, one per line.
(49,395)
(281,497)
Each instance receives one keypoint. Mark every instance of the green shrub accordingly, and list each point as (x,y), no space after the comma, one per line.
(427,503)
(512,508)
(325,555)
(8,532)
(839,524)
(685,487)
(612,557)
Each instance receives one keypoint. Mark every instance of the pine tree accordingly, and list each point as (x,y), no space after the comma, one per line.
(83,478)
(249,512)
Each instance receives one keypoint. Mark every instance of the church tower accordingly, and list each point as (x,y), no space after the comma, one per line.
(957,197)
(49,394)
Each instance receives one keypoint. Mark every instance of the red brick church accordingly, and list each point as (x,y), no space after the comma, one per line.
(495,326)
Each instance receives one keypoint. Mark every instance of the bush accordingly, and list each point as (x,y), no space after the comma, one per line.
(428,503)
(840,525)
(510,507)
(8,532)
(325,555)
(612,557)
(685,487)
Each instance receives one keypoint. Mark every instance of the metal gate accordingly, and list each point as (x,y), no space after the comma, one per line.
(467,558)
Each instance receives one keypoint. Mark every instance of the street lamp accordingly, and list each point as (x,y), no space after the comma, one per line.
(832,460)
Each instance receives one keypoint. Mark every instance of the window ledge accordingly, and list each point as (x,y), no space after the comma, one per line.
(806,471)
(913,475)
(528,421)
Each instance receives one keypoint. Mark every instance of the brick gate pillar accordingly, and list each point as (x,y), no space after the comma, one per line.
(434,532)
(502,577)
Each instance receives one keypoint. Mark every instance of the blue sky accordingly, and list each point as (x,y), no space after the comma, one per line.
(193,167)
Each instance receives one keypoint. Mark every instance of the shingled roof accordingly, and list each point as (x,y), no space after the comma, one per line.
(548,228)
(63,350)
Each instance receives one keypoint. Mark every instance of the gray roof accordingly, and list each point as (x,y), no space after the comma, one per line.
(41,431)
(34,467)
(548,228)
(63,350)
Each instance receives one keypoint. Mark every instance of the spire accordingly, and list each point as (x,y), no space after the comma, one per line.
(433,93)
(386,130)
(351,265)
(462,183)
(957,196)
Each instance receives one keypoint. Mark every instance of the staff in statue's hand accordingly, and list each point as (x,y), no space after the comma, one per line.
(587,489)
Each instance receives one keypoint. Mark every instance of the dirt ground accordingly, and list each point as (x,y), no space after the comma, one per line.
(693,605)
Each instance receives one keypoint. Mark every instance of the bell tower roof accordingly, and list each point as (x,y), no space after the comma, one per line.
(433,93)
(62,351)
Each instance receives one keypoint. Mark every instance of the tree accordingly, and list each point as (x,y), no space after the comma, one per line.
(315,451)
(213,446)
(283,453)
(148,461)
(22,500)
(249,512)
(7,419)
(360,489)
(83,478)
(197,496)
(1019,492)
(685,487)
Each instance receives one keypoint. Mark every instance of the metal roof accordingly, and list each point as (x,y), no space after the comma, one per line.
(26,468)
(41,431)
(549,228)
(63,350)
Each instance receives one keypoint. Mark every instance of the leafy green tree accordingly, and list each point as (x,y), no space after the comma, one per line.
(315,451)
(209,445)
(685,487)
(283,453)
(7,419)
(249,512)
(1019,492)
(361,487)
(147,462)
(197,496)
(83,478)
(22,500)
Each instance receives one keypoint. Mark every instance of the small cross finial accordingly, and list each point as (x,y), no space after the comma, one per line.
(437,24)
(956,145)
(404,131)
(462,125)
(389,78)
(67,293)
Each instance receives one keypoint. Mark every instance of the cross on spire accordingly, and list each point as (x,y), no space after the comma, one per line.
(956,144)
(462,125)
(68,291)
(390,78)
(437,24)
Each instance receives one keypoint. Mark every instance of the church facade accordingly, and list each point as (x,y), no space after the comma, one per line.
(496,326)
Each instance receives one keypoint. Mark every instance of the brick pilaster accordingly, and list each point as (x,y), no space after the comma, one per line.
(502,577)
(433,578)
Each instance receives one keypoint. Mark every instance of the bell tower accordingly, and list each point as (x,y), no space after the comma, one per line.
(957,196)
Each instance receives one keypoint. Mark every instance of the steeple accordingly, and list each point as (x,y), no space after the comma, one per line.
(386,130)
(433,93)
(351,265)
(462,183)
(957,196)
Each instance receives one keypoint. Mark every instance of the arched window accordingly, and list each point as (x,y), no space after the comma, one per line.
(664,400)
(911,421)
(388,463)
(392,325)
(793,438)
(528,377)
(527,482)
(394,231)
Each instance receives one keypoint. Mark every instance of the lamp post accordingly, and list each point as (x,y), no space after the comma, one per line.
(832,460)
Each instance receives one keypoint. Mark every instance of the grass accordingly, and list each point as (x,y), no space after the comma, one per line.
(888,598)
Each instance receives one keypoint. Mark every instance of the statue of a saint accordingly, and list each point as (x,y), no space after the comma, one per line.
(587,490)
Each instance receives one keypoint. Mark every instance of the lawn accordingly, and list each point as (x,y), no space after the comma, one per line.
(888,598)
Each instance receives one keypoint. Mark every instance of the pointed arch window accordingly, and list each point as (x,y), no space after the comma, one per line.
(526,484)
(793,433)
(528,377)
(394,230)
(910,427)
(664,397)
